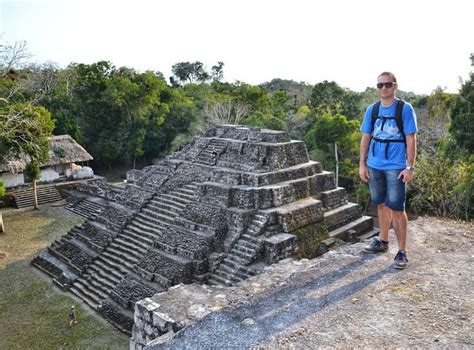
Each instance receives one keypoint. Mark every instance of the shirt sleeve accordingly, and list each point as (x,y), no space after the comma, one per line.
(409,119)
(366,126)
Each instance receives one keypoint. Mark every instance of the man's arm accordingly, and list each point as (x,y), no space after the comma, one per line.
(411,157)
(364,150)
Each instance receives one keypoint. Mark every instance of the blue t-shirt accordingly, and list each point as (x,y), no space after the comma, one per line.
(395,156)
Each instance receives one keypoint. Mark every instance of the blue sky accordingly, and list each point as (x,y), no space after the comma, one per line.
(426,44)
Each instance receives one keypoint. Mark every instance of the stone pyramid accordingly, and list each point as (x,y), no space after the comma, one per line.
(232,201)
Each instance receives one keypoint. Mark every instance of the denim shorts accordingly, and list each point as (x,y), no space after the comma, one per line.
(386,188)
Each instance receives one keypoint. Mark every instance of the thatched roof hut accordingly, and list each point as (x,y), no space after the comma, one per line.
(63,149)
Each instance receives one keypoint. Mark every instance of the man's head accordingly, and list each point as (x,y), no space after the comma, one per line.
(387,85)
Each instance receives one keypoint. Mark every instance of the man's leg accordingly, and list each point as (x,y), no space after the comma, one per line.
(385,219)
(396,201)
(378,189)
(400,225)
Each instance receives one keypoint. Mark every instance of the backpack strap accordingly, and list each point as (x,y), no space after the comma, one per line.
(375,115)
(399,118)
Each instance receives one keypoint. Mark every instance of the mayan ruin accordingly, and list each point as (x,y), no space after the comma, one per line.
(216,212)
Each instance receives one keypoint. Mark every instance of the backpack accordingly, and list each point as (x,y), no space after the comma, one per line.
(398,119)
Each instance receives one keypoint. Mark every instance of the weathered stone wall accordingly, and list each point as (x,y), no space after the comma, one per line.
(77,259)
(115,217)
(95,236)
(129,290)
(334,198)
(188,244)
(300,215)
(342,216)
(164,268)
(279,247)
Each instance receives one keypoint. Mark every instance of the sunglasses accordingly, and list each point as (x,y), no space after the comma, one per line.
(387,85)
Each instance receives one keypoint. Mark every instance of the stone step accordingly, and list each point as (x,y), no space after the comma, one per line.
(91,298)
(107,274)
(188,191)
(235,262)
(175,199)
(112,264)
(369,234)
(153,228)
(167,201)
(119,258)
(227,276)
(100,286)
(241,273)
(109,271)
(187,197)
(156,217)
(353,229)
(251,239)
(239,246)
(130,244)
(139,234)
(218,280)
(191,186)
(160,211)
(235,251)
(342,215)
(93,303)
(24,198)
(135,236)
(125,251)
(172,208)
(248,244)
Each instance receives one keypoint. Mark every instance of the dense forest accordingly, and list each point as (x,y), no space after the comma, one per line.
(126,118)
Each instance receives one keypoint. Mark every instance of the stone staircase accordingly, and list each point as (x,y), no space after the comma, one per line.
(117,260)
(45,194)
(206,156)
(234,268)
(86,208)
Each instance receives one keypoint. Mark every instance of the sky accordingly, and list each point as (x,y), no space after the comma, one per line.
(425,43)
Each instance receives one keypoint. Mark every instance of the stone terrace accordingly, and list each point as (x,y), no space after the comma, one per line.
(216,212)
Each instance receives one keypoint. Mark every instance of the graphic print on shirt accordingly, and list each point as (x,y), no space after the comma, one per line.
(390,129)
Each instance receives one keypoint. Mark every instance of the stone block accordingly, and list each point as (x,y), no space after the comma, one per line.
(279,247)
(163,322)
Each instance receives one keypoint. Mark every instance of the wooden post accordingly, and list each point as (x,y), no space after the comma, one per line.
(2,227)
(337,164)
(35,197)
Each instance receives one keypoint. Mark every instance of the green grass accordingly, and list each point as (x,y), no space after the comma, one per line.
(33,313)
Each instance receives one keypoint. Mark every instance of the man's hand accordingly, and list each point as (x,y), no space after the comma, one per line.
(363,173)
(406,175)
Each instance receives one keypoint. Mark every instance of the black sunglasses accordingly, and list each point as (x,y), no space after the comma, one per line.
(387,85)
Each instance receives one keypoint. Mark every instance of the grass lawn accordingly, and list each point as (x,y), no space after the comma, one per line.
(33,313)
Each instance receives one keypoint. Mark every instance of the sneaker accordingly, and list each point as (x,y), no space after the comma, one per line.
(375,246)
(401,260)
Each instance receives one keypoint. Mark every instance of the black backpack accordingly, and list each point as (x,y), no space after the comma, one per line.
(398,119)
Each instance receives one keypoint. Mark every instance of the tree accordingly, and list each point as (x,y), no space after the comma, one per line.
(217,71)
(462,114)
(2,193)
(334,132)
(329,97)
(33,172)
(187,72)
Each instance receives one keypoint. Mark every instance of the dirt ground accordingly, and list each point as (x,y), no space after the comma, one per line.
(347,299)
(430,304)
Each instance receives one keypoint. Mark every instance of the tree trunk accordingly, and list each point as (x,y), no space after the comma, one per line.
(2,228)
(35,197)
(337,164)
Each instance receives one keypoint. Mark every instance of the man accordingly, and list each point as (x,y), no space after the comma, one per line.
(387,161)
(72,316)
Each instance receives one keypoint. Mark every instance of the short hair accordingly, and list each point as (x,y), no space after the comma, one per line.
(390,74)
